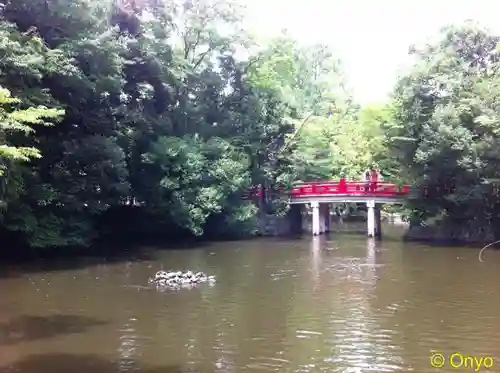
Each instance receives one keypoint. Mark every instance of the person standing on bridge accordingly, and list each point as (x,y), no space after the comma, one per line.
(367,180)
(374,179)
(342,184)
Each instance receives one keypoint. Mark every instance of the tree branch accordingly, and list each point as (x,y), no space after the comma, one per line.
(202,56)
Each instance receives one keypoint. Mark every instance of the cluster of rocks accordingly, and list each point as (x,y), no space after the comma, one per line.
(179,279)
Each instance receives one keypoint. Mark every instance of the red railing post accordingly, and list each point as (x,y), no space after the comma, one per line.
(342,186)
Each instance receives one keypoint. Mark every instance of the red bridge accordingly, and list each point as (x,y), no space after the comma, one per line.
(354,188)
(335,191)
(315,199)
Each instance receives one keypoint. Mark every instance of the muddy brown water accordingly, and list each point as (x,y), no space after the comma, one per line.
(342,303)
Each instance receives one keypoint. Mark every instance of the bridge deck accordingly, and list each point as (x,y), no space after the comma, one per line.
(348,192)
(331,191)
(336,198)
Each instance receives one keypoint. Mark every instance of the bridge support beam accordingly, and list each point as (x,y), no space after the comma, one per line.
(316,224)
(325,217)
(370,217)
(322,220)
(378,222)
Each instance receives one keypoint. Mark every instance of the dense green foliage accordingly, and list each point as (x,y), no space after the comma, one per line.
(445,132)
(12,120)
(135,119)
(163,130)
(439,132)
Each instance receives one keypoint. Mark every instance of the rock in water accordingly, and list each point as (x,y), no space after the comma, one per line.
(178,279)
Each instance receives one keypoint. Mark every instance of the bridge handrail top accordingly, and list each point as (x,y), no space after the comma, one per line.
(318,183)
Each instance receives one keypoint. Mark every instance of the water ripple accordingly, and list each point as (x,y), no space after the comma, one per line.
(277,307)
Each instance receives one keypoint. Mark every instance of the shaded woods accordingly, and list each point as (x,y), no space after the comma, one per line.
(133,121)
(162,130)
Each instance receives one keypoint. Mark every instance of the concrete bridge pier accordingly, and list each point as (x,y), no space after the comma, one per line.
(374,219)
(370,218)
(321,219)
(316,217)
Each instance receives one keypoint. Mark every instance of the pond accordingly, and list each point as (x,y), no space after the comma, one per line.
(342,303)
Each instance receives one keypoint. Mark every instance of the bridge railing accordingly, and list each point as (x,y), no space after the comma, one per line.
(349,188)
(353,188)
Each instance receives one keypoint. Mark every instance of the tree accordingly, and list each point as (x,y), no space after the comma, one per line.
(445,131)
(162,123)
(18,120)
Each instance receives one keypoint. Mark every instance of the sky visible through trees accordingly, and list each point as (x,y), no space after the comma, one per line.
(356,29)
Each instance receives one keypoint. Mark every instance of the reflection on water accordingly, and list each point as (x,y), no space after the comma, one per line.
(342,303)
(316,243)
(128,347)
